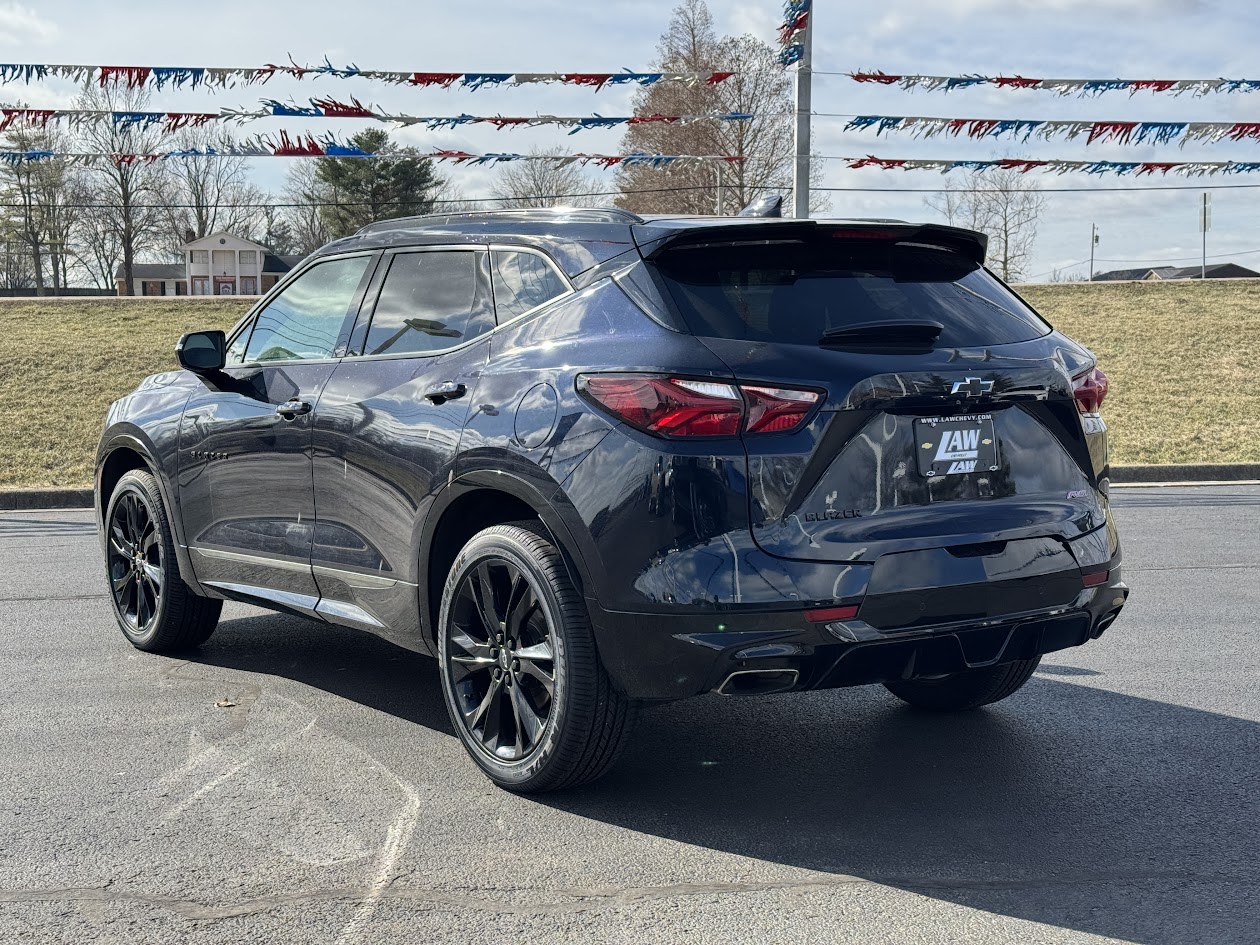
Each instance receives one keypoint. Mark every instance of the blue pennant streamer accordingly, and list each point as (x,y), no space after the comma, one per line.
(964,82)
(27,72)
(177,77)
(1106,85)
(598,121)
(327,68)
(298,111)
(334,149)
(1242,167)
(1242,85)
(791,54)
(125,120)
(477,80)
(1161,132)
(1015,127)
(862,122)
(970,165)
(454,121)
(1111,167)
(637,78)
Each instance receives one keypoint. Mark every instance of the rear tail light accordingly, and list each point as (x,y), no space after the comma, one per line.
(1090,389)
(680,407)
(1095,578)
(828,614)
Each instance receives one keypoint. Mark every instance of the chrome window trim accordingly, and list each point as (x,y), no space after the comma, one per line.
(500,247)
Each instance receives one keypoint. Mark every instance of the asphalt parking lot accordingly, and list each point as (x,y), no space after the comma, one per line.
(295,783)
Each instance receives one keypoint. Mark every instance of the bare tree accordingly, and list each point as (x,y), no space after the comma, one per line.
(36,194)
(764,142)
(543,184)
(208,195)
(15,261)
(1001,203)
(307,227)
(132,193)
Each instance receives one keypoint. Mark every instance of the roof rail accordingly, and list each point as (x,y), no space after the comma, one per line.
(576,214)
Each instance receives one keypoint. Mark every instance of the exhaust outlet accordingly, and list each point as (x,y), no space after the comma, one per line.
(758,682)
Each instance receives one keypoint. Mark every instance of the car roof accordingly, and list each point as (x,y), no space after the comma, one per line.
(578,239)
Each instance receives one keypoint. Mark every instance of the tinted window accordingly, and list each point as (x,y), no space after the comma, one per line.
(523,281)
(305,320)
(796,292)
(430,302)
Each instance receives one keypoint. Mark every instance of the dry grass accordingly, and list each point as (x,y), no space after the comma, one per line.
(65,360)
(1183,360)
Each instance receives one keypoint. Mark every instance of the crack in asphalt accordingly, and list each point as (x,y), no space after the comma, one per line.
(570,900)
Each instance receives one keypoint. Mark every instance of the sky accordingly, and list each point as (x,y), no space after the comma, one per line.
(1045,38)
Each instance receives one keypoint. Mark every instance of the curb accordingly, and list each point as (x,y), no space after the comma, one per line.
(19,500)
(26,500)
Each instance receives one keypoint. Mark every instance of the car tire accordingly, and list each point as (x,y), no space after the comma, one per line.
(969,689)
(508,594)
(155,609)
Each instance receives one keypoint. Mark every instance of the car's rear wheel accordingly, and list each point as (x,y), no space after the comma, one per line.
(155,609)
(522,680)
(969,689)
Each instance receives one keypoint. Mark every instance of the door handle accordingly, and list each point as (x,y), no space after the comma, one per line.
(293,409)
(447,390)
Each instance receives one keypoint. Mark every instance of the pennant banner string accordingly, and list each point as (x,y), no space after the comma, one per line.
(161,77)
(1023,129)
(1080,87)
(1025,165)
(330,108)
(282,144)
(792,31)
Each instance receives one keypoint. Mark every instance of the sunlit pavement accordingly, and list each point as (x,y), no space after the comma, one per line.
(294,783)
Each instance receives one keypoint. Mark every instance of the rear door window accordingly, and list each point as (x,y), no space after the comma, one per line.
(431,301)
(795,292)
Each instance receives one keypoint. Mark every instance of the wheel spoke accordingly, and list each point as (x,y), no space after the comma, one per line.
(480,711)
(476,649)
(520,612)
(133,518)
(120,583)
(545,679)
(154,576)
(118,541)
(537,652)
(144,609)
(149,539)
(484,597)
(528,724)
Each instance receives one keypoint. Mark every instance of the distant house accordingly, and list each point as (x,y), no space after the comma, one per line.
(1165,273)
(218,264)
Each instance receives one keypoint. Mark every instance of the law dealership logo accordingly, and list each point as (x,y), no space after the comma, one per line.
(971,387)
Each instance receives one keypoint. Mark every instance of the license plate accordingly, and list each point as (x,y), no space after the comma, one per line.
(953,446)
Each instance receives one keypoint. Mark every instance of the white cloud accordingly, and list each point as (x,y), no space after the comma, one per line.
(20,25)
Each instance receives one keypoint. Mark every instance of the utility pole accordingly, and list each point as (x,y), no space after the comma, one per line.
(1093,241)
(1205,224)
(804,107)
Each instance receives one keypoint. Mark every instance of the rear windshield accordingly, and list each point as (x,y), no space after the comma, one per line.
(795,292)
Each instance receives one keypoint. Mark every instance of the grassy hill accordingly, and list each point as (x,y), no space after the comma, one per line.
(1183,359)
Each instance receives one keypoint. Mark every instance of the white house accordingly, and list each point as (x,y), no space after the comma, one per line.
(218,264)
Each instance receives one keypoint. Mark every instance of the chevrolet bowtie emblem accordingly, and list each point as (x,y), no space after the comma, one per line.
(971,387)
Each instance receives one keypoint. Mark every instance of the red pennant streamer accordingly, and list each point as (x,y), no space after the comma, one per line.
(1016,82)
(134,76)
(458,157)
(980,127)
(1023,165)
(334,109)
(1119,131)
(871,161)
(1244,130)
(302,147)
(788,30)
(1152,85)
(444,79)
(881,78)
(500,122)
(595,80)
(1150,167)
(32,116)
(717,77)
(177,120)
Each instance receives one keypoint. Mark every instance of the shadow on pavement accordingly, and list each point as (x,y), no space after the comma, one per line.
(1066,805)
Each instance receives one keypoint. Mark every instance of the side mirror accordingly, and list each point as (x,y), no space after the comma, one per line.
(202,351)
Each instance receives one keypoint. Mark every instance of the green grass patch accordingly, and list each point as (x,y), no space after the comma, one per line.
(1183,359)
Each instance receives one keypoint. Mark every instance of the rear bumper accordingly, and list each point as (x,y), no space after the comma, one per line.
(664,657)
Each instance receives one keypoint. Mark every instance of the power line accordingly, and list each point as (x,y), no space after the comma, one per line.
(1066,266)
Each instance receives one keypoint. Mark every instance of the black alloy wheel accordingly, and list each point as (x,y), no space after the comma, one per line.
(501,659)
(526,692)
(135,561)
(156,609)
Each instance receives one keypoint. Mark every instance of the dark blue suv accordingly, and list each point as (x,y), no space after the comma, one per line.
(589,460)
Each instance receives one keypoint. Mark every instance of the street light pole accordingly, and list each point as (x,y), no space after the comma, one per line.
(1093,241)
(804,107)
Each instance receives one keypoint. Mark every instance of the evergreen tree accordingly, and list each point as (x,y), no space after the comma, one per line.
(354,192)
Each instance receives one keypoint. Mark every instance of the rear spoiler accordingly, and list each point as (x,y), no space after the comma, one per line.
(655,238)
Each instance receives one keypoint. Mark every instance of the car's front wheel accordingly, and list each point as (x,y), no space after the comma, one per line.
(969,689)
(522,680)
(155,609)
